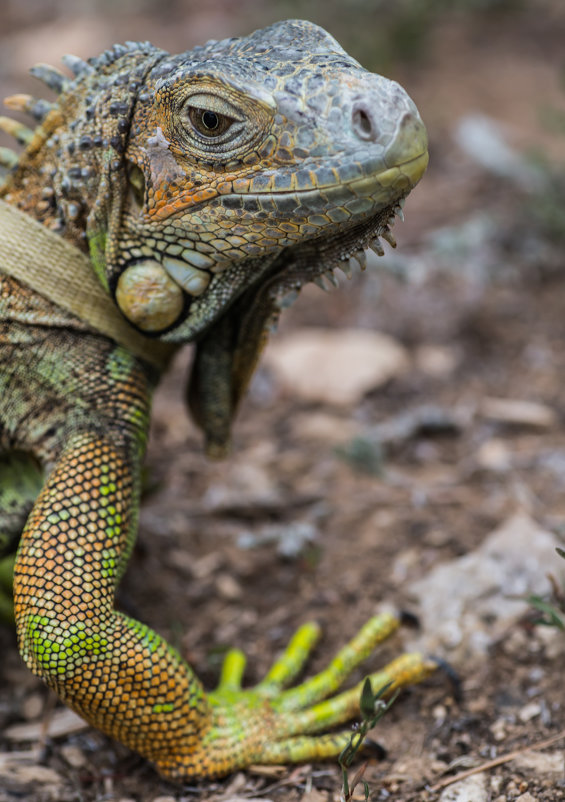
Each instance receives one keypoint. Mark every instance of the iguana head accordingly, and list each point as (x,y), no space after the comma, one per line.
(255,165)
(228,176)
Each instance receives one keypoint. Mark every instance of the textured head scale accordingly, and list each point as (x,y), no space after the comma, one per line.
(247,148)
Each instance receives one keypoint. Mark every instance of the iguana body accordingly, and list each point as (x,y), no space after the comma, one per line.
(205,188)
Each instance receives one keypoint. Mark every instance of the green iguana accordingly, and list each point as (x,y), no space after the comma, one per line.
(163,200)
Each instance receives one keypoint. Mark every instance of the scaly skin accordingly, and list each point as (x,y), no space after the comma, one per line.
(207,188)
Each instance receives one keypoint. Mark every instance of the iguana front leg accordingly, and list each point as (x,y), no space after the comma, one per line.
(112,670)
(125,679)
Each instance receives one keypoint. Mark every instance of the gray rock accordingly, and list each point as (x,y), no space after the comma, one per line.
(468,604)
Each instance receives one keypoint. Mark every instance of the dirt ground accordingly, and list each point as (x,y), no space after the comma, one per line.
(475,295)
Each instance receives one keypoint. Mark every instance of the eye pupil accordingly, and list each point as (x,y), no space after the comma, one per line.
(208,123)
(210,120)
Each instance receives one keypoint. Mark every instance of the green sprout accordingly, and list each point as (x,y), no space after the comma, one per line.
(552,610)
(372,708)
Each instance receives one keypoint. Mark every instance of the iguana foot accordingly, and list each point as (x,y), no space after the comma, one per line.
(271,724)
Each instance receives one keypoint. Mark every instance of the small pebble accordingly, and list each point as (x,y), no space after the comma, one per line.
(494,455)
(228,588)
(471,789)
(529,711)
(32,706)
(73,755)
(498,729)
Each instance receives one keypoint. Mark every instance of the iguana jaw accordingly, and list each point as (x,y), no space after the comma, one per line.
(227,353)
(323,146)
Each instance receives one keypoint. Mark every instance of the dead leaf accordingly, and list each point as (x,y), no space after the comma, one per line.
(20,778)
(517,412)
(62,722)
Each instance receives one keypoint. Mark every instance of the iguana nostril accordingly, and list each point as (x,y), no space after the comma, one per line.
(364,124)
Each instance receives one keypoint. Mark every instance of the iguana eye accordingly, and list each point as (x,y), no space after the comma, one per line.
(209,123)
(210,120)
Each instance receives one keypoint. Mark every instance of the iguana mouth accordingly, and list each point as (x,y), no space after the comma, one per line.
(320,256)
(376,175)
(228,351)
(356,197)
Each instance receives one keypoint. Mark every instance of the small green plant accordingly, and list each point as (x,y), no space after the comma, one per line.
(551,610)
(372,708)
(363,454)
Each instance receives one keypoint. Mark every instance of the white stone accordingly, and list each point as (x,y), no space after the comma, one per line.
(471,789)
(334,367)
(550,765)
(470,603)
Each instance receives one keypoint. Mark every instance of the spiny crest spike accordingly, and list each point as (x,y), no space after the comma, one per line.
(376,247)
(360,257)
(19,131)
(120,50)
(319,282)
(38,109)
(389,237)
(345,267)
(332,278)
(8,158)
(18,102)
(77,65)
(51,77)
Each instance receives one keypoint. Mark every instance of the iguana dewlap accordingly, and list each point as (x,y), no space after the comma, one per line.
(201,191)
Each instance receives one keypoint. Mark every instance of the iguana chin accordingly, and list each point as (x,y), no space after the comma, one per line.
(205,188)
